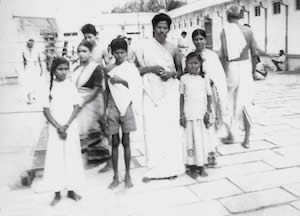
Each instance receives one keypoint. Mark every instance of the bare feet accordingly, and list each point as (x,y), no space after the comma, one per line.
(128,182)
(202,172)
(194,175)
(74,196)
(246,144)
(212,160)
(106,168)
(56,199)
(228,140)
(114,184)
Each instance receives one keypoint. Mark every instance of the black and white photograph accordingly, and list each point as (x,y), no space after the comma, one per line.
(149,108)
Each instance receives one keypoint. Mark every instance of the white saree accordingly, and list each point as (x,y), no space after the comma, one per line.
(213,68)
(90,114)
(161,114)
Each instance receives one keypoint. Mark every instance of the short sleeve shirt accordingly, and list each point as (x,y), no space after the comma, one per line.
(195,90)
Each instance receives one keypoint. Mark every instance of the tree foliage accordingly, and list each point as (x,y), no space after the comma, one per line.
(148,6)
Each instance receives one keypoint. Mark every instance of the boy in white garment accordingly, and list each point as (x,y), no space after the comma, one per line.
(119,107)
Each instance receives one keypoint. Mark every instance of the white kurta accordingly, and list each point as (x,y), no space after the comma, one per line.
(161,113)
(63,165)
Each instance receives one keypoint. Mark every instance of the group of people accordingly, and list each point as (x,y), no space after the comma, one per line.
(181,110)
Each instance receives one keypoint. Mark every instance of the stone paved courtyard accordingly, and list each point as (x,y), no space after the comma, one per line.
(261,181)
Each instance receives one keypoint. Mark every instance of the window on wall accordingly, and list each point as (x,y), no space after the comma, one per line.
(198,21)
(191,22)
(276,7)
(70,34)
(257,11)
(242,14)
(184,24)
(297,4)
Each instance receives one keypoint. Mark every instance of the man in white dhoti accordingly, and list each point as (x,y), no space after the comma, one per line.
(239,52)
(159,63)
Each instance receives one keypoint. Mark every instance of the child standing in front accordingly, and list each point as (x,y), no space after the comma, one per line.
(123,80)
(63,165)
(195,111)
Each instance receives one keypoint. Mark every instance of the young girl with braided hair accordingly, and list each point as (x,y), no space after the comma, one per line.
(63,164)
(195,115)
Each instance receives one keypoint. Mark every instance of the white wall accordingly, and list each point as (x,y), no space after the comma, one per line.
(275,26)
(294,29)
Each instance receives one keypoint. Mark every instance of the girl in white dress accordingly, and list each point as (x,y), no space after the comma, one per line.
(195,112)
(63,165)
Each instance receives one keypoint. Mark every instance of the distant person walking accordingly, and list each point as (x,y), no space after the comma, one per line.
(183,43)
(33,71)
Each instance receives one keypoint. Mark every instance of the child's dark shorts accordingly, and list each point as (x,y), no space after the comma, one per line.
(115,120)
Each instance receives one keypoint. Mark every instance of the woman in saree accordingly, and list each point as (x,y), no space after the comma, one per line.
(88,77)
(213,68)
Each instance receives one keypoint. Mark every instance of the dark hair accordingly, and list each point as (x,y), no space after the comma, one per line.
(258,59)
(89,29)
(197,56)
(161,17)
(118,43)
(198,32)
(183,33)
(87,44)
(55,63)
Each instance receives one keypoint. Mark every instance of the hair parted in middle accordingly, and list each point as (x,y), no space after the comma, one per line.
(55,63)
(196,55)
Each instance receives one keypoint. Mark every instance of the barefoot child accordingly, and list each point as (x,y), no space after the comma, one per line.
(122,80)
(63,165)
(195,109)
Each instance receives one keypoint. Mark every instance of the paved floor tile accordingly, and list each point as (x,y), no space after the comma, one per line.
(137,202)
(237,148)
(284,210)
(283,161)
(293,188)
(209,208)
(245,157)
(260,181)
(289,151)
(256,200)
(215,189)
(296,205)
(284,138)
(237,170)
